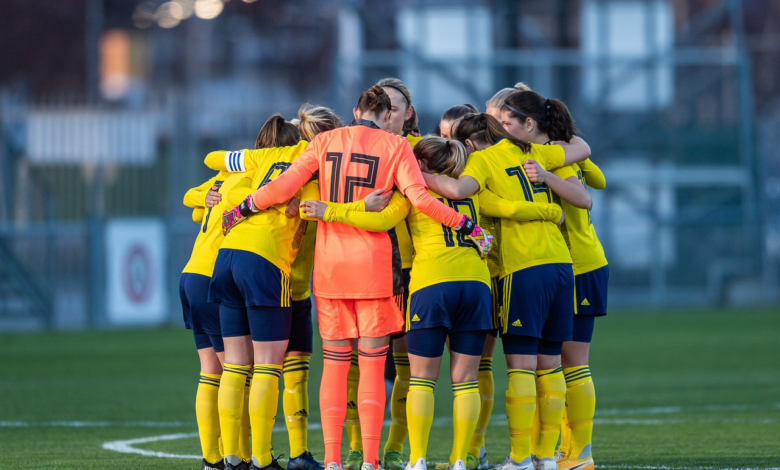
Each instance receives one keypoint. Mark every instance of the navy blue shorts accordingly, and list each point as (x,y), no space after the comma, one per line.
(429,342)
(583,328)
(456,306)
(203,341)
(406,276)
(262,323)
(243,279)
(591,290)
(200,316)
(301,333)
(539,302)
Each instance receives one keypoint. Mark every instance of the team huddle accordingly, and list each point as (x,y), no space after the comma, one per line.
(456,239)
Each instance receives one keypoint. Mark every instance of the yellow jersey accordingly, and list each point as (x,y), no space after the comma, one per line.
(405,246)
(269,233)
(499,168)
(443,254)
(577,229)
(300,276)
(209,240)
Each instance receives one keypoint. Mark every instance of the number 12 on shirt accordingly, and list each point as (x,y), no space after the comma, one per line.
(351,182)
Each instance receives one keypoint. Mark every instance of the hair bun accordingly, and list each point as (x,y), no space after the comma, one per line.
(377,90)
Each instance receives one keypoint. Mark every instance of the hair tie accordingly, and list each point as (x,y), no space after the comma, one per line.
(408,102)
(547,103)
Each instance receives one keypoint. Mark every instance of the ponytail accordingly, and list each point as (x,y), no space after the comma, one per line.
(485,129)
(441,156)
(277,133)
(552,116)
(373,101)
(315,119)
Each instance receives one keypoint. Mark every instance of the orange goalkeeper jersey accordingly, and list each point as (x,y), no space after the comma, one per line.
(353,161)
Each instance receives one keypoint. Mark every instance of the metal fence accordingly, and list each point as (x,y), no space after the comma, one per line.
(688,216)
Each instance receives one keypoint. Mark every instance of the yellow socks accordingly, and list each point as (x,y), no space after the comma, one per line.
(397,436)
(551,393)
(465,413)
(296,402)
(246,427)
(263,401)
(581,405)
(419,412)
(207,414)
(520,408)
(231,406)
(486,392)
(353,421)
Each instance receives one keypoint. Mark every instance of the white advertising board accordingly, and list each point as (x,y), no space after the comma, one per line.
(136,254)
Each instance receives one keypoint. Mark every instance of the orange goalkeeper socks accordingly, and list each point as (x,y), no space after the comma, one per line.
(333,398)
(371,400)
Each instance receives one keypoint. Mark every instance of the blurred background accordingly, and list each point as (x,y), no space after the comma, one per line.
(108,107)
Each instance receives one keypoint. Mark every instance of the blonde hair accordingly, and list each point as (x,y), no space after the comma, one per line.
(315,119)
(500,97)
(441,156)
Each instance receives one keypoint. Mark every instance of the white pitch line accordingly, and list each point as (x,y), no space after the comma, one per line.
(126,446)
(96,424)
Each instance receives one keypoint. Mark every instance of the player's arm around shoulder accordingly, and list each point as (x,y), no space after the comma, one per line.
(493,205)
(196,197)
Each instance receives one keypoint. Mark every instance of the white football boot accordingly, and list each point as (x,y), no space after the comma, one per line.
(509,464)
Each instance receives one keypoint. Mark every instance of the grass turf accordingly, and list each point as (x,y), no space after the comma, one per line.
(675,389)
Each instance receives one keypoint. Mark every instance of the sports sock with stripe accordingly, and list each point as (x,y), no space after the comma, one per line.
(520,408)
(246,426)
(207,414)
(353,421)
(296,402)
(486,392)
(231,407)
(371,400)
(263,404)
(397,436)
(333,398)
(419,412)
(581,406)
(551,394)
(465,413)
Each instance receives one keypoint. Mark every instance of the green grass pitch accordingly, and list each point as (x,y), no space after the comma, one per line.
(684,389)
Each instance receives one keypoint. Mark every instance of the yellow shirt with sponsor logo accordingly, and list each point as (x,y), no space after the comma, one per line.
(442,254)
(269,233)
(209,240)
(499,168)
(577,229)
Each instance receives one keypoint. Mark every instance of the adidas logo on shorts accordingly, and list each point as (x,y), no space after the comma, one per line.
(585,302)
(517,323)
(415,318)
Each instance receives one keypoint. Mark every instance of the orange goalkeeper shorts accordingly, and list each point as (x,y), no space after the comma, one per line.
(354,318)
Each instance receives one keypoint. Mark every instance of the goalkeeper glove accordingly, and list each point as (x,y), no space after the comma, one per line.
(238,214)
(483,241)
